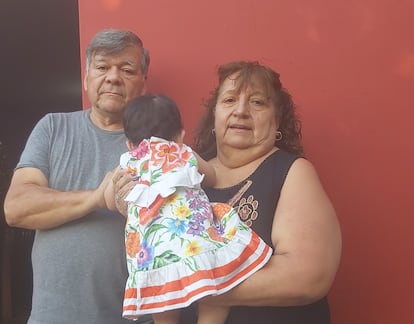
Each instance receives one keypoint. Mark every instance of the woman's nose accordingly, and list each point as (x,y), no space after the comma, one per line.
(241,108)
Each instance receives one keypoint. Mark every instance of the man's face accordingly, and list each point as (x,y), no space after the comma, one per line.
(114,79)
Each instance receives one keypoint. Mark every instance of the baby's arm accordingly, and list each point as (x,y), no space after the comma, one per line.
(208,170)
(208,314)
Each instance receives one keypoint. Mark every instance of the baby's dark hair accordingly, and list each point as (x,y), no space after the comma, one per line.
(152,115)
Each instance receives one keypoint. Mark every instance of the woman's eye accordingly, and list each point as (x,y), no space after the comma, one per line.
(257,102)
(228,100)
(101,68)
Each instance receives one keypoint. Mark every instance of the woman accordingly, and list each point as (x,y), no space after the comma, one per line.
(251,135)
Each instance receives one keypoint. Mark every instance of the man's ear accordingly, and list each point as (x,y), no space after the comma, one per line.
(144,88)
(85,83)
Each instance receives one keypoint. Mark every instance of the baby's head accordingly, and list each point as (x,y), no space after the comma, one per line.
(152,115)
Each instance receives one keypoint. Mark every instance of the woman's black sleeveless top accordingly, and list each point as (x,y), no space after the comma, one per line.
(256,199)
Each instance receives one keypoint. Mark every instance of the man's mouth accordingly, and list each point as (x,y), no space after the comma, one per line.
(111,93)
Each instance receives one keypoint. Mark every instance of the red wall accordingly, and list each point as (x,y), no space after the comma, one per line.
(350,67)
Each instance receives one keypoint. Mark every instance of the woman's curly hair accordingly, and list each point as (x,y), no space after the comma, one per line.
(246,74)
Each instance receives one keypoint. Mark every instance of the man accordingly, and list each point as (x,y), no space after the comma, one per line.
(78,255)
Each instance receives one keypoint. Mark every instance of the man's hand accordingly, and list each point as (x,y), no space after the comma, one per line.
(123,182)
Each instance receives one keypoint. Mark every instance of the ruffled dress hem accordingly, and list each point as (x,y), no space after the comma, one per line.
(178,285)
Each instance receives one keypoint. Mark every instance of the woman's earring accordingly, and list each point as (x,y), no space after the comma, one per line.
(279,135)
(213,132)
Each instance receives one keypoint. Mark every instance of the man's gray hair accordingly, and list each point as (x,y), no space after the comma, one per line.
(113,41)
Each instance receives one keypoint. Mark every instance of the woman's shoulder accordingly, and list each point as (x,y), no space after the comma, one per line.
(303,178)
(280,154)
(302,166)
(279,161)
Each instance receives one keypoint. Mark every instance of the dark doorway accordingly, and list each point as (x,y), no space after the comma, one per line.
(41,73)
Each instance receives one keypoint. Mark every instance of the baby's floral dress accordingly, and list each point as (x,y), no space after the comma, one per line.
(179,246)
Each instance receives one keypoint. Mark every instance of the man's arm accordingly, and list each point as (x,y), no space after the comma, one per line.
(31,204)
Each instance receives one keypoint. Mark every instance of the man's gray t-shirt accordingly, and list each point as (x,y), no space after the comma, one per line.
(79,268)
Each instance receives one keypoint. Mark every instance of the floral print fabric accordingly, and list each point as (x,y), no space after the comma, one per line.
(179,246)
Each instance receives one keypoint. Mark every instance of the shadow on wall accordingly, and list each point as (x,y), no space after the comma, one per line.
(45,79)
(16,275)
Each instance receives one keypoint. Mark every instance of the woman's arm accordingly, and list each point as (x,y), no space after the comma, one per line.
(208,170)
(307,240)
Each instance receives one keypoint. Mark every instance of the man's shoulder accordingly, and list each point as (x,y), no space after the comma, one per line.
(68,114)
(65,118)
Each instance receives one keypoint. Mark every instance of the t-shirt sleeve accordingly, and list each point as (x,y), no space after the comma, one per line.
(36,151)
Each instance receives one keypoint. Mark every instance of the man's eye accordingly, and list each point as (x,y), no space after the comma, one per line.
(101,68)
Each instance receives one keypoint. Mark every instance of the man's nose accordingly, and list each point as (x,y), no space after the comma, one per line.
(113,75)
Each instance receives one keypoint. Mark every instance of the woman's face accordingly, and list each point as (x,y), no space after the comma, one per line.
(244,119)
